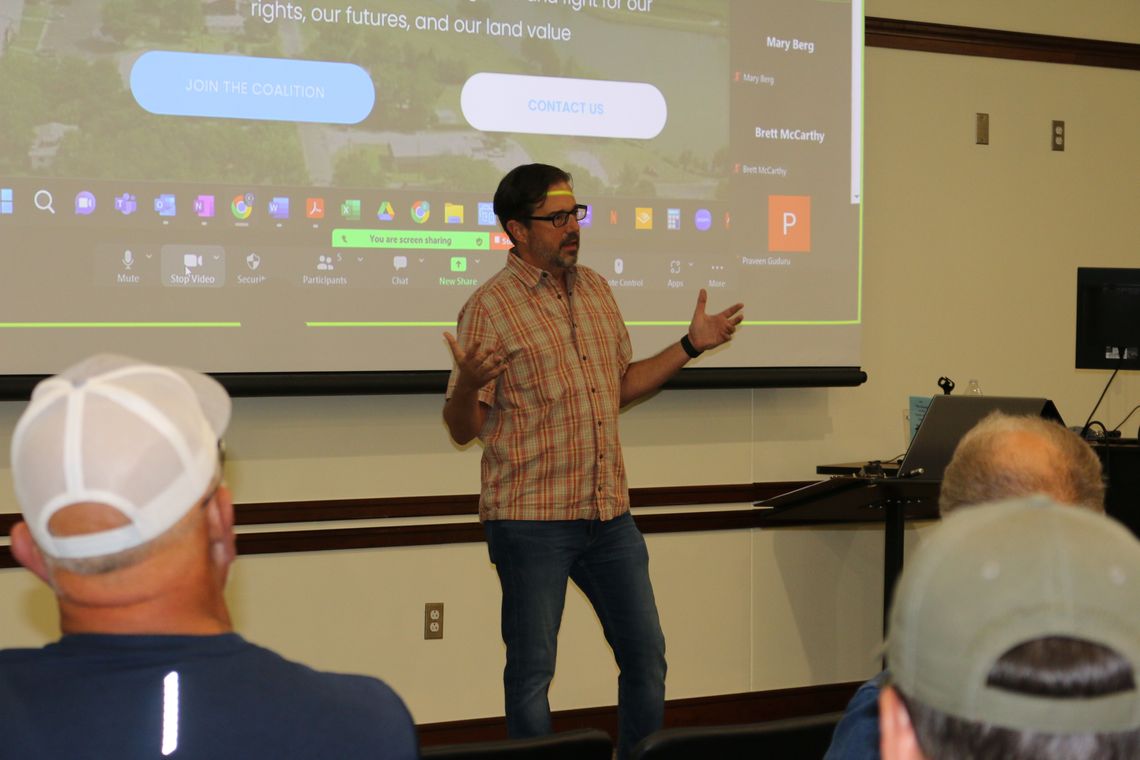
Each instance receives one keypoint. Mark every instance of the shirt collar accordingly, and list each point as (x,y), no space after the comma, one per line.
(532,276)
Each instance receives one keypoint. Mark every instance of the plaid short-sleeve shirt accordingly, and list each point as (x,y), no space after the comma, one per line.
(551,448)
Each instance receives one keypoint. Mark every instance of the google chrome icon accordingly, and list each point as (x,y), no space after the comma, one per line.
(421,210)
(242,206)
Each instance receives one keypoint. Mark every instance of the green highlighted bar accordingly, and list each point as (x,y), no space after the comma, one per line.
(412,239)
(105,325)
(762,323)
(380,324)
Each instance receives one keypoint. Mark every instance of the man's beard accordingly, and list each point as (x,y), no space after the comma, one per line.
(562,256)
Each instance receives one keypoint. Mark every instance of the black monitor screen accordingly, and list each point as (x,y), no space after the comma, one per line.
(1108,318)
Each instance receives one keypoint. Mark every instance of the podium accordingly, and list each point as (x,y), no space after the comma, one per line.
(859,499)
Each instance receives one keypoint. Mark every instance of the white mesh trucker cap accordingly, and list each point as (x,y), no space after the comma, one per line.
(111,430)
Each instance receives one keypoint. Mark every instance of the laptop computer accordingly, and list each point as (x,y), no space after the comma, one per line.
(949,418)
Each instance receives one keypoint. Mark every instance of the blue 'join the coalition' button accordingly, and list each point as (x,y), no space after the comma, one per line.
(240,87)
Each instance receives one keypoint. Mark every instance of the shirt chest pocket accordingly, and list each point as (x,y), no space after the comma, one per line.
(538,372)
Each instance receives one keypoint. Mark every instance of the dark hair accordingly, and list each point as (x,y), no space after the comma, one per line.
(523,190)
(1057,667)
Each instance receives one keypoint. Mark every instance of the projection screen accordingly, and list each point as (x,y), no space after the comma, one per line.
(298,189)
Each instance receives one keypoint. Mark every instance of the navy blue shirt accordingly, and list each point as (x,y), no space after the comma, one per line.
(857,735)
(112,696)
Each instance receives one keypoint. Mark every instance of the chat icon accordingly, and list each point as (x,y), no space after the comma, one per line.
(400,262)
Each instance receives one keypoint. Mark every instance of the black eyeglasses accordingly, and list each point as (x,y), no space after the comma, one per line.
(559,218)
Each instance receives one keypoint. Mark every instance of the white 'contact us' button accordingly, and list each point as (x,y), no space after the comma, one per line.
(561,106)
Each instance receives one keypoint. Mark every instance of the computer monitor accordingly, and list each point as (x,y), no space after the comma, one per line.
(1108,318)
(951,417)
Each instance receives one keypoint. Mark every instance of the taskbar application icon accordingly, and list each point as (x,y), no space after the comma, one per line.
(242,206)
(421,211)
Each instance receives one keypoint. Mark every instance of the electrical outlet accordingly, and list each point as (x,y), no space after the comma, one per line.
(433,620)
(982,129)
(1058,135)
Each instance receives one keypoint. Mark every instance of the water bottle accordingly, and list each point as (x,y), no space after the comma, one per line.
(973,389)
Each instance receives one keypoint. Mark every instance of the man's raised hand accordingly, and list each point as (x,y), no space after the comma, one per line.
(711,330)
(477,365)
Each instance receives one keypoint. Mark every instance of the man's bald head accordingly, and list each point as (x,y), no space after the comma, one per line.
(1006,456)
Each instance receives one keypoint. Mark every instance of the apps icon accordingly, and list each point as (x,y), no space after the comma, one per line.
(673,219)
(421,210)
(350,209)
(486,214)
(643,218)
(619,266)
(84,203)
(279,207)
(789,223)
(242,206)
(5,201)
(702,220)
(204,206)
(453,213)
(613,216)
(315,208)
(126,204)
(253,261)
(399,261)
(166,205)
(458,263)
(385,213)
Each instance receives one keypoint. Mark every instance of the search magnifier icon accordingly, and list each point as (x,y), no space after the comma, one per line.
(44,201)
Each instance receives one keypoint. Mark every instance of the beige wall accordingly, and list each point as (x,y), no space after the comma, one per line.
(970,258)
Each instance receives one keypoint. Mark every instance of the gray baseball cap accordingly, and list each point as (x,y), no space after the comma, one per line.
(998,575)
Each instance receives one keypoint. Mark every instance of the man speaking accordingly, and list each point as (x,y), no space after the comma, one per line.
(542,367)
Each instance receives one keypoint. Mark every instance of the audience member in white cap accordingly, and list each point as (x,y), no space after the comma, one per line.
(1015,635)
(116,466)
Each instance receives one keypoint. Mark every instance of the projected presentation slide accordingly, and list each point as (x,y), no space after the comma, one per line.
(306,186)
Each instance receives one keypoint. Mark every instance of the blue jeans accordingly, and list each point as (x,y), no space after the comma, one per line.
(609,562)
